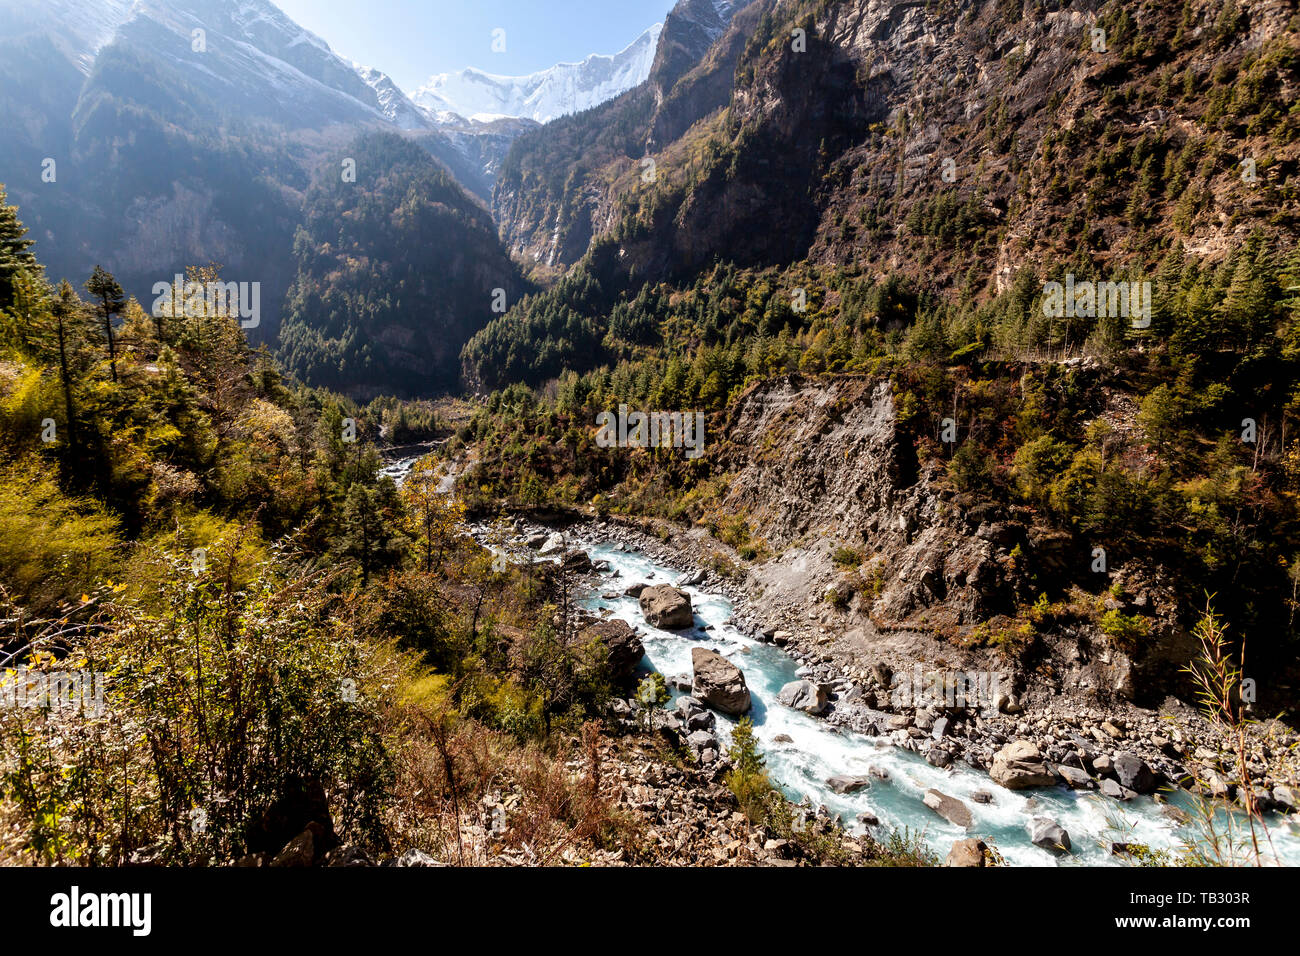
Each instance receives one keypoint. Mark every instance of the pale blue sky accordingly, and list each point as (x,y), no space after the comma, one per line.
(410,40)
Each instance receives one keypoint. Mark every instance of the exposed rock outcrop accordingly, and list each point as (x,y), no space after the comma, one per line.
(623,650)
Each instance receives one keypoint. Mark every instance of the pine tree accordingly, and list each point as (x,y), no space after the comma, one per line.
(112,300)
(369,535)
(15,255)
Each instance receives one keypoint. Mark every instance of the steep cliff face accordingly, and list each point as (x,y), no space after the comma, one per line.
(1014,139)
(955,142)
(684,99)
(825,474)
(690,29)
(558,184)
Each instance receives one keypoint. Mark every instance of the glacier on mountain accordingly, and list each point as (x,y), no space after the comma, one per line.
(562,89)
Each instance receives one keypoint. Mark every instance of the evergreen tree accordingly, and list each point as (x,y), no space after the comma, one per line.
(15,254)
(112,300)
(369,534)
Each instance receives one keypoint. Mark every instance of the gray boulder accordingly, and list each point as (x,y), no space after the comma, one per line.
(938,757)
(1076,778)
(845,784)
(704,720)
(553,545)
(576,562)
(694,715)
(1115,790)
(804,695)
(688,705)
(1133,773)
(1048,834)
(950,808)
(718,683)
(666,607)
(701,740)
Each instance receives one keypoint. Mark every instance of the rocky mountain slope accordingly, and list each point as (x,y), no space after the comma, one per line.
(951,141)
(150,135)
(835,474)
(552,196)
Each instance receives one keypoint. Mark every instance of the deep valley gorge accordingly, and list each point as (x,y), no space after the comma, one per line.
(824,433)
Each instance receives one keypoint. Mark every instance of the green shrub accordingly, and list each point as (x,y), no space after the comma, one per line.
(1126,629)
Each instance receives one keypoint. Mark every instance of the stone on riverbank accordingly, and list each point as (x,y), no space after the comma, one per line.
(804,695)
(966,853)
(1134,774)
(1019,765)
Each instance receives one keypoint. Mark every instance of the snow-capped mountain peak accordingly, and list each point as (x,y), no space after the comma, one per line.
(393,103)
(564,88)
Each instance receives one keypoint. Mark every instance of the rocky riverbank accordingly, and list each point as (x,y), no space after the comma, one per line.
(1120,751)
(655,808)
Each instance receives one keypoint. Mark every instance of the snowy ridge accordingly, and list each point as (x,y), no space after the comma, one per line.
(564,88)
(79,28)
(393,103)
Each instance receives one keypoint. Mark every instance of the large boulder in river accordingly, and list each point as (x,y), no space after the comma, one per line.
(843,783)
(1019,765)
(623,650)
(576,562)
(1048,834)
(950,808)
(718,682)
(804,695)
(666,607)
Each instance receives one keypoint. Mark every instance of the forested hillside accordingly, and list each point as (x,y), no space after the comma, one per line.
(396,270)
